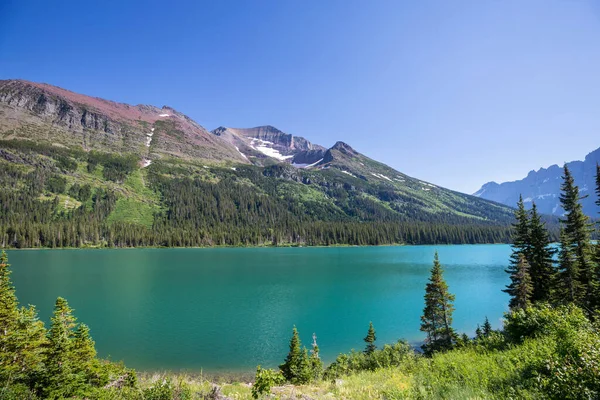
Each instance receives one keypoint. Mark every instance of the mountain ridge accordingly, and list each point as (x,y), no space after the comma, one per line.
(542,186)
(161,174)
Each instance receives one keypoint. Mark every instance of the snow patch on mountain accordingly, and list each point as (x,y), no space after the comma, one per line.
(243,155)
(266,147)
(381,176)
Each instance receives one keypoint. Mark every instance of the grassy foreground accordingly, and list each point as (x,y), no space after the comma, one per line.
(543,353)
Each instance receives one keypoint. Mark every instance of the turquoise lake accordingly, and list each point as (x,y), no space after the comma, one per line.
(230,309)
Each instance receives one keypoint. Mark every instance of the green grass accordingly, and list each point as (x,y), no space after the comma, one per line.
(132,211)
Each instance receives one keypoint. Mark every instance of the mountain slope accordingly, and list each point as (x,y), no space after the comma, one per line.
(543,187)
(77,170)
(46,113)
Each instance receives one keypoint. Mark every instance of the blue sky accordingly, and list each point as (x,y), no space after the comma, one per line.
(457,93)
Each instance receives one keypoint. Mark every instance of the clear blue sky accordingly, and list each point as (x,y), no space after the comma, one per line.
(457,93)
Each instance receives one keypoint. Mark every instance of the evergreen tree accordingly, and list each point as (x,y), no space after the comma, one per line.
(9,314)
(540,258)
(370,340)
(577,236)
(567,284)
(29,340)
(296,368)
(436,320)
(487,327)
(61,377)
(478,332)
(523,288)
(84,353)
(316,365)
(520,247)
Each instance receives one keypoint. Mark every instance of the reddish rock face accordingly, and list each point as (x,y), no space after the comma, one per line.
(43,112)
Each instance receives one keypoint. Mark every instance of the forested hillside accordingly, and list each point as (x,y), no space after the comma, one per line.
(80,171)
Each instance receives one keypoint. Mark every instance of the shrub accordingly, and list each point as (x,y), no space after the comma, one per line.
(264,380)
(543,320)
(389,356)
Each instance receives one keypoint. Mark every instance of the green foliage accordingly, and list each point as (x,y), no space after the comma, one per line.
(398,354)
(544,320)
(166,390)
(522,286)
(296,367)
(176,203)
(116,167)
(370,340)
(264,380)
(540,258)
(436,320)
(56,184)
(576,240)
(52,364)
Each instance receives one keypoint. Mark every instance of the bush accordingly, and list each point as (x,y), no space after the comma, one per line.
(264,380)
(390,356)
(544,320)
(166,390)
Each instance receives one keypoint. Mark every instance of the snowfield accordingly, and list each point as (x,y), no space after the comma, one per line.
(265,147)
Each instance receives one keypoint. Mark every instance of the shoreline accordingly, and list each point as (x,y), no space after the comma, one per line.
(252,247)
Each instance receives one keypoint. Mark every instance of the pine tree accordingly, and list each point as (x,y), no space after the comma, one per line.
(577,234)
(29,341)
(487,327)
(567,284)
(520,247)
(296,367)
(540,258)
(9,314)
(83,353)
(523,288)
(436,320)
(316,365)
(370,340)
(478,332)
(61,377)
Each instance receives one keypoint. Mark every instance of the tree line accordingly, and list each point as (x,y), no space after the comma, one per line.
(42,206)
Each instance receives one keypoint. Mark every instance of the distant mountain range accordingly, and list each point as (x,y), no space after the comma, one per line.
(61,136)
(543,187)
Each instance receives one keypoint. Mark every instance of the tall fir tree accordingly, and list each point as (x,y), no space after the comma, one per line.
(370,340)
(436,320)
(520,246)
(62,378)
(9,315)
(84,354)
(523,288)
(577,230)
(487,327)
(22,334)
(296,367)
(567,287)
(540,258)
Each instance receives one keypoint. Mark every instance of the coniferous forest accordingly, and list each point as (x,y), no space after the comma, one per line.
(66,197)
(549,346)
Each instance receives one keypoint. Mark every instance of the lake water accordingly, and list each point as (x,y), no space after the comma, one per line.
(231,309)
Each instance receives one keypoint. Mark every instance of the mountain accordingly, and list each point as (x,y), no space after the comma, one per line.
(543,187)
(83,171)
